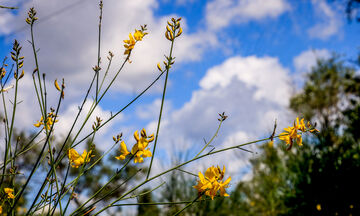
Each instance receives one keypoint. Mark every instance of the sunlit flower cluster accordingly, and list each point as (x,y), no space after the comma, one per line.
(50,121)
(212,182)
(77,160)
(9,192)
(140,150)
(138,36)
(292,133)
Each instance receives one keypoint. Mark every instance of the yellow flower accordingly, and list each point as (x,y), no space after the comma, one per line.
(212,182)
(9,192)
(301,124)
(138,35)
(291,133)
(49,122)
(123,151)
(129,44)
(77,160)
(39,123)
(318,207)
(140,149)
(0,209)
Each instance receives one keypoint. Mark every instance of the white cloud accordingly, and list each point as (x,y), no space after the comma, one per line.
(147,111)
(307,59)
(254,72)
(330,23)
(252,91)
(68,41)
(222,13)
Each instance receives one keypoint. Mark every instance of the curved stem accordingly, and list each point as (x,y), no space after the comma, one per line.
(212,138)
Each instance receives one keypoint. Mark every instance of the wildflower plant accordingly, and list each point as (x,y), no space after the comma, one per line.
(57,190)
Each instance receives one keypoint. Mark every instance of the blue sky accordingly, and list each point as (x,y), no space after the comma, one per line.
(243,57)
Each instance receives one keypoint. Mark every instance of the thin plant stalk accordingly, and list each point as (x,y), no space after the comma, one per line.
(212,138)
(188,205)
(161,109)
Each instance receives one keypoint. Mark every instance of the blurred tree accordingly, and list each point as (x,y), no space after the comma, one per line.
(147,210)
(328,184)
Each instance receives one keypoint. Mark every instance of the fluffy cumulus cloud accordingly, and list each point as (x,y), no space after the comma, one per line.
(67,37)
(307,59)
(252,91)
(222,13)
(330,20)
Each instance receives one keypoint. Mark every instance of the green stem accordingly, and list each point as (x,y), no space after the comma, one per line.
(107,194)
(104,186)
(157,203)
(8,144)
(24,149)
(188,205)
(6,7)
(212,138)
(98,57)
(42,104)
(161,109)
(39,157)
(60,156)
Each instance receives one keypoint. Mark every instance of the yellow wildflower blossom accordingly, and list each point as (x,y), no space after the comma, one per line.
(291,133)
(301,124)
(49,122)
(138,35)
(129,44)
(212,182)
(0,209)
(77,160)
(9,192)
(140,150)
(123,151)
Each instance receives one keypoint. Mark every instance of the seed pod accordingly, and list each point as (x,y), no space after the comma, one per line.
(179,32)
(22,74)
(167,35)
(171,36)
(159,68)
(57,85)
